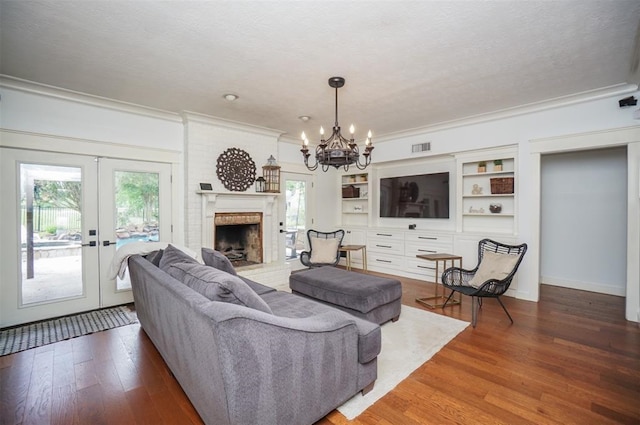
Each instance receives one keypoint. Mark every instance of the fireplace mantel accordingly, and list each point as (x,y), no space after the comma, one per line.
(228,202)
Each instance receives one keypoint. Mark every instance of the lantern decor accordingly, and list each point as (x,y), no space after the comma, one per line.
(271,174)
(260,184)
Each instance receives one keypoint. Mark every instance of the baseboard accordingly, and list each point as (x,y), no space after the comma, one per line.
(601,288)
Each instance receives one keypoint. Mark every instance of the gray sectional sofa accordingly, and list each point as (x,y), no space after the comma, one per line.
(245,353)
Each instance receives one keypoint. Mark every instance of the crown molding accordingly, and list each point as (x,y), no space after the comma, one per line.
(559,102)
(190,116)
(84,98)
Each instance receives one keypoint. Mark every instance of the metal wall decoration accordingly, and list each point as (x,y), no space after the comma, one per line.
(236,170)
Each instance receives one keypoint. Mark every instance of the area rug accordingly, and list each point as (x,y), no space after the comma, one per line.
(42,333)
(406,345)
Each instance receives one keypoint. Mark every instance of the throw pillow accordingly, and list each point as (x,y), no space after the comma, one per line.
(173,255)
(155,257)
(493,266)
(217,285)
(216,259)
(324,250)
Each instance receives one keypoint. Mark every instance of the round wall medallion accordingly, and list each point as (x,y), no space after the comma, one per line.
(236,170)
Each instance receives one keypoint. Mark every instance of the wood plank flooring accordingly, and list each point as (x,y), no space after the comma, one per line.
(572,358)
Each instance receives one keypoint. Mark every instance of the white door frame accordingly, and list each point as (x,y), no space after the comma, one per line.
(309,208)
(629,137)
(65,145)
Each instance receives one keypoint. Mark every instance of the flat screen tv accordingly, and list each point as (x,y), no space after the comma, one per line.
(419,196)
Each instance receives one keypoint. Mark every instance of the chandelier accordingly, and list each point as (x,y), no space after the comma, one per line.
(337,151)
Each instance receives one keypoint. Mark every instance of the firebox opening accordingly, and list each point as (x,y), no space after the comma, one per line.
(239,237)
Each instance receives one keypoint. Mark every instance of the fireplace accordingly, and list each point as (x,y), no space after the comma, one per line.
(238,235)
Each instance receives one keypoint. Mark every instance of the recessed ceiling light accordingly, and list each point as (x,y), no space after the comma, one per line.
(230,97)
(304,118)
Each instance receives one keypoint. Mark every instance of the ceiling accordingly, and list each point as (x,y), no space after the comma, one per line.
(407,64)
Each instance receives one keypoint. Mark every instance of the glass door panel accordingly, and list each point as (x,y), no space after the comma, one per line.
(135,207)
(50,233)
(297,213)
(48,237)
(137,210)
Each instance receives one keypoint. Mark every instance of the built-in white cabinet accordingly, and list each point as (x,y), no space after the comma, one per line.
(355,201)
(394,251)
(487,192)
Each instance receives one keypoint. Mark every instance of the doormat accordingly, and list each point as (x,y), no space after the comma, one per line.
(37,334)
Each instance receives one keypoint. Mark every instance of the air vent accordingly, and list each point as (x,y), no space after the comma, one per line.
(421,147)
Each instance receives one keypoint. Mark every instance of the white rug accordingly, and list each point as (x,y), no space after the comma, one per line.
(406,345)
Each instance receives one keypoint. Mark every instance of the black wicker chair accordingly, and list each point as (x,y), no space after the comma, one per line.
(461,280)
(305,256)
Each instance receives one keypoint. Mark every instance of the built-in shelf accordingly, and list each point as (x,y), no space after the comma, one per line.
(489,195)
(355,211)
(475,196)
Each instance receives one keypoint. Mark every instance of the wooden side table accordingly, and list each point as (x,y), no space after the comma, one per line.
(439,300)
(349,248)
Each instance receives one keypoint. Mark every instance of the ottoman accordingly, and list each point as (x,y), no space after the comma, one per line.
(373,298)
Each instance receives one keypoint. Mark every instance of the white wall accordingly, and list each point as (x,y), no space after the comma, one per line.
(205,139)
(45,111)
(566,117)
(583,239)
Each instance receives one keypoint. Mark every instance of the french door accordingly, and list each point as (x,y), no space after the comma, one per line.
(59,218)
(297,214)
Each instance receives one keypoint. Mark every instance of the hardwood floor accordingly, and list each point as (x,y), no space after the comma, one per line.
(572,358)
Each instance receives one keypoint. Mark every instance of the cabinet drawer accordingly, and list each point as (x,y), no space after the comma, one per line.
(426,238)
(385,261)
(416,248)
(391,246)
(422,269)
(385,235)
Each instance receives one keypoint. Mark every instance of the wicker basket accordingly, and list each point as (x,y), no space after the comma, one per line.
(350,192)
(501,185)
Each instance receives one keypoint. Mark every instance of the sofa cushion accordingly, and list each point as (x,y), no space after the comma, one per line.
(258,288)
(216,259)
(324,251)
(284,304)
(493,266)
(173,255)
(155,257)
(217,285)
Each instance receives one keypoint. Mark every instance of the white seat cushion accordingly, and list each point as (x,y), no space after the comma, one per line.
(493,266)
(324,251)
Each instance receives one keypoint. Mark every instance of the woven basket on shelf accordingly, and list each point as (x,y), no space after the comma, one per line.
(501,185)
(350,192)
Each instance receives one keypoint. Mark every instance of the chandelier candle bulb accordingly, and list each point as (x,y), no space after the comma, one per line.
(352,129)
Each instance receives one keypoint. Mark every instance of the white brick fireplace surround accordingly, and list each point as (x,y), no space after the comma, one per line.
(273,271)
